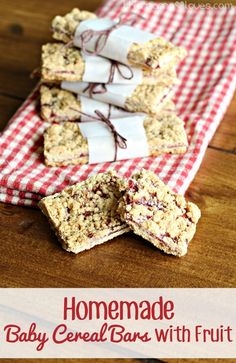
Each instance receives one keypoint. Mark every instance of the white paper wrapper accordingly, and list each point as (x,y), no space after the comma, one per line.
(101,141)
(116,93)
(119,40)
(97,70)
(88,107)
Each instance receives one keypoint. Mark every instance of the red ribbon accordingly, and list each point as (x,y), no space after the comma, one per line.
(117,66)
(119,140)
(99,88)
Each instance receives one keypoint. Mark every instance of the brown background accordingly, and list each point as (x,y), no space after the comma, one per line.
(30,255)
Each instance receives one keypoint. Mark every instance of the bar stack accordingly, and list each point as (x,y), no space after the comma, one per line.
(106,89)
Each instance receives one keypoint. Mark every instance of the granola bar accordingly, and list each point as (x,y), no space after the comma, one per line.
(61,63)
(154,53)
(157,214)
(58,105)
(85,214)
(135,98)
(64,144)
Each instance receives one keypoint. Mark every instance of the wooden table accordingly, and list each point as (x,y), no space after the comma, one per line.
(30,255)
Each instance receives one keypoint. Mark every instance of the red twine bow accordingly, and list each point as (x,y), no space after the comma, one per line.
(119,140)
(96,88)
(99,88)
(117,66)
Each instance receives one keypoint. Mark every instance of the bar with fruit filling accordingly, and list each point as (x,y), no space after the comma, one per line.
(157,214)
(85,214)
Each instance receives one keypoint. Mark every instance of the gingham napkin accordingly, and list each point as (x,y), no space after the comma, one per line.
(208,80)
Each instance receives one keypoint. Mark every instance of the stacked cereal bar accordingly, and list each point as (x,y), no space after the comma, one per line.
(105,206)
(85,83)
(145,98)
(156,52)
(64,144)
(60,63)
(58,105)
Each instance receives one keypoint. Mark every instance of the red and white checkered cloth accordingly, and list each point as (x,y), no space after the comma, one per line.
(208,81)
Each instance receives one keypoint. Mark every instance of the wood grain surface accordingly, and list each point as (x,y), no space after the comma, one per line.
(30,255)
